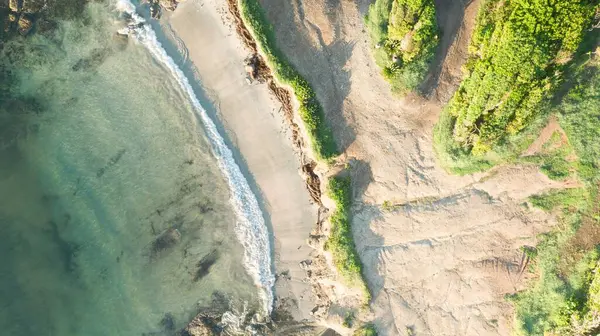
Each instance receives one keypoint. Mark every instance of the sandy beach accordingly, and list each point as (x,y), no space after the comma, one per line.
(252,120)
(441,258)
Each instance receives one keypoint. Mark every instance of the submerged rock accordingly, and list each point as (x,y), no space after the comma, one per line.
(33,6)
(205,264)
(25,25)
(13,17)
(95,59)
(10,23)
(165,241)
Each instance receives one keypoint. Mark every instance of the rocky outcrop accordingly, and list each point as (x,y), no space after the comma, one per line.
(14,5)
(200,326)
(169,4)
(155,10)
(156,7)
(25,24)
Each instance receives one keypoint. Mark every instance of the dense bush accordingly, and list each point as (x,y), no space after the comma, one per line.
(341,242)
(310,110)
(405,36)
(517,54)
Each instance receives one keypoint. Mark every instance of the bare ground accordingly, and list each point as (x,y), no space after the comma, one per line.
(440,262)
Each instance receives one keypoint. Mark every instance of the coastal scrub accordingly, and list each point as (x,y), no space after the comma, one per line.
(517,56)
(405,37)
(341,242)
(310,110)
(564,299)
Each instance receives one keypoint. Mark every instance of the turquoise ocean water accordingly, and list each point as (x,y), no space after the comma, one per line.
(117,216)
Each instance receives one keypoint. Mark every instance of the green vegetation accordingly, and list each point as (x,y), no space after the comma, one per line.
(349,320)
(366,330)
(341,242)
(518,54)
(554,161)
(565,300)
(405,35)
(310,110)
(576,198)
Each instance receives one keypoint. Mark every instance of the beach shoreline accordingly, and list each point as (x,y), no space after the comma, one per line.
(251,118)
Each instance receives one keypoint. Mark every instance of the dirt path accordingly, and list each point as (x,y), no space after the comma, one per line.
(545,135)
(441,263)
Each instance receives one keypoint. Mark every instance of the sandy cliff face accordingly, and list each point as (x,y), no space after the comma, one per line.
(440,251)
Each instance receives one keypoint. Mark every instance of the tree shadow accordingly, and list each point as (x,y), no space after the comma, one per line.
(450,16)
(301,50)
(573,75)
(366,241)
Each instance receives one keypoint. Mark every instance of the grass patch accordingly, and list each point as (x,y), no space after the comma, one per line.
(573,199)
(404,34)
(310,110)
(553,161)
(517,57)
(341,242)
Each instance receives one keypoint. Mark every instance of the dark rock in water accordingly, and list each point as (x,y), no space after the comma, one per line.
(45,26)
(114,159)
(11,23)
(204,265)
(166,240)
(155,10)
(168,322)
(25,24)
(219,301)
(96,58)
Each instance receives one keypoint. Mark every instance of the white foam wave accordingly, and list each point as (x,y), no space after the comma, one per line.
(251,229)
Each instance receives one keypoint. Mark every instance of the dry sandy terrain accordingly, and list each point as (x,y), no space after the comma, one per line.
(440,261)
(250,117)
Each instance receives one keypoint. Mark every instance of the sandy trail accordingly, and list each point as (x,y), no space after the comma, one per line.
(254,125)
(441,263)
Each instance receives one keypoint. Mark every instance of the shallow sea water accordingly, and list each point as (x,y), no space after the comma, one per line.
(114,216)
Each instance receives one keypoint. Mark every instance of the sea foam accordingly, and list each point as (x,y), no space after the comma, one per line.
(250,228)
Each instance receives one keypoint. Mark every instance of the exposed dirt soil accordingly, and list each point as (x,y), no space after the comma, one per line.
(441,262)
(545,135)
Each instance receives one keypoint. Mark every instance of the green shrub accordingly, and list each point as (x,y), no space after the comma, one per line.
(517,57)
(556,168)
(366,330)
(341,242)
(576,198)
(310,111)
(405,36)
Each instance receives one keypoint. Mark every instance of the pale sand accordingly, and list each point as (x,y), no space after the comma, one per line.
(253,123)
